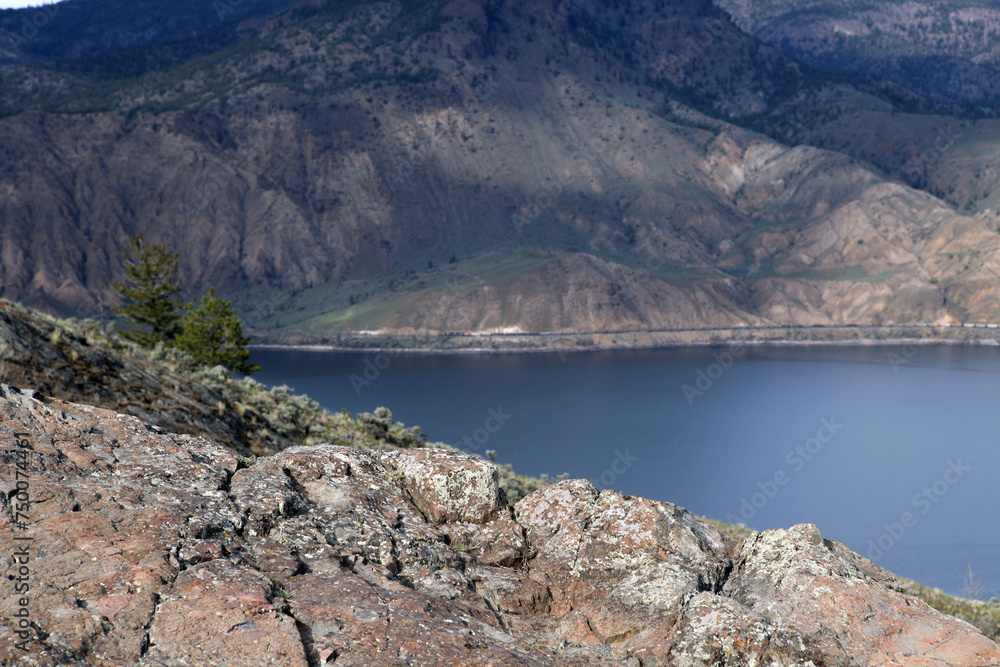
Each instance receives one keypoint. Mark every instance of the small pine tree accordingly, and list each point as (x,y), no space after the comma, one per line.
(151,301)
(213,335)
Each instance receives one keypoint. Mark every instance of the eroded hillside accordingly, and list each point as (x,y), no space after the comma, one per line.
(473,166)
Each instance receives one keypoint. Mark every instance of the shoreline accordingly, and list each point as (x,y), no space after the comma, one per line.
(845,342)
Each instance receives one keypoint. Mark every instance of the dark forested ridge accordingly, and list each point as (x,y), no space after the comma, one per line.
(91,29)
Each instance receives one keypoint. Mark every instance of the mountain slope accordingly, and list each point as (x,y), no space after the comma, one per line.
(489,165)
(943,49)
(96,29)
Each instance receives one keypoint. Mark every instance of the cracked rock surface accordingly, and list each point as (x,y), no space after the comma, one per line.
(159,549)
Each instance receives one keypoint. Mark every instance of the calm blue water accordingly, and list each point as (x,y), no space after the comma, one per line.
(893,451)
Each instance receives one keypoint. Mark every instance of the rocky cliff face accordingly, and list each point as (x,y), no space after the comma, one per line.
(142,547)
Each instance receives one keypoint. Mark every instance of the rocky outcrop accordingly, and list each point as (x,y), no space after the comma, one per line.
(143,547)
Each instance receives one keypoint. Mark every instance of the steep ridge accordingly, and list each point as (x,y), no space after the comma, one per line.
(470,166)
(143,547)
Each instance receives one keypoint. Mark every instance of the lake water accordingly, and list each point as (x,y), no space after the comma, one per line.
(892,450)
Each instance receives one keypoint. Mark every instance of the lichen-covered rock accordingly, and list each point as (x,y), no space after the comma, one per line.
(620,568)
(110,503)
(843,606)
(462,496)
(448,486)
(150,548)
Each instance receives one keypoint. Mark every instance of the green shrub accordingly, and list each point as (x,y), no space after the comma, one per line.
(150,293)
(212,335)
